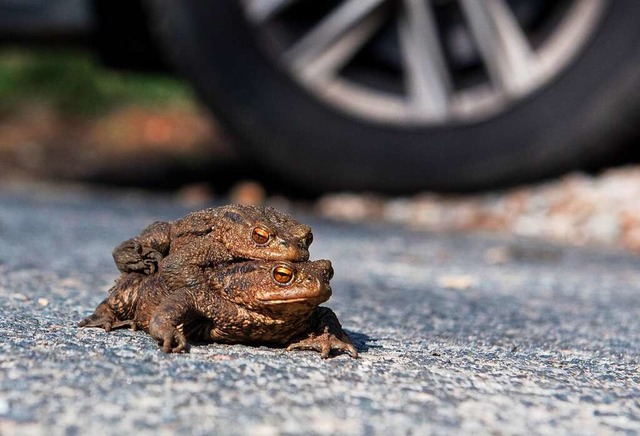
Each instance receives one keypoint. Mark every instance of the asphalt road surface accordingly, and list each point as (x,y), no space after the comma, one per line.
(464,333)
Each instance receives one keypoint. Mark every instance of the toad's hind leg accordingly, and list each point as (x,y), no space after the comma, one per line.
(143,253)
(105,318)
(118,309)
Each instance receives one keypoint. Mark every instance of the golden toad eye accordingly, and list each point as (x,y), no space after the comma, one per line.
(282,274)
(260,236)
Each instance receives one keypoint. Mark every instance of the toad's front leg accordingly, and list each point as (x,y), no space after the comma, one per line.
(166,324)
(326,336)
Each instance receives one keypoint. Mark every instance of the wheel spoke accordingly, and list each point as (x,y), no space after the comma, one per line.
(321,38)
(327,64)
(507,54)
(428,80)
(338,33)
(260,11)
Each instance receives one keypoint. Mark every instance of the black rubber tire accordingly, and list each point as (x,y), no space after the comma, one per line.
(573,122)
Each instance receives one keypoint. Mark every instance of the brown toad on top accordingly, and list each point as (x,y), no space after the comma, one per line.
(272,302)
(212,236)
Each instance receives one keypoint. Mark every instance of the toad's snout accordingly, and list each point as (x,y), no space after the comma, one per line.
(306,239)
(326,269)
(303,236)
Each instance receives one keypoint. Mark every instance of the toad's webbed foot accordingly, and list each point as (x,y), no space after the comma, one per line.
(107,322)
(325,343)
(131,256)
(171,339)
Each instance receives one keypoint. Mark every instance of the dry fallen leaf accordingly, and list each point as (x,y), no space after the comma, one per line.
(459,282)
(497,255)
(196,194)
(247,192)
(222,357)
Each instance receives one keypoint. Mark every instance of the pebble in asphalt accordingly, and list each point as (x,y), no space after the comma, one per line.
(547,340)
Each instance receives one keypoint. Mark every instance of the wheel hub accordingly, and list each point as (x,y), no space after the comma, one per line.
(422,62)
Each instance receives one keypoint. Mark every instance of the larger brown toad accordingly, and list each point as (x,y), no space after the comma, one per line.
(179,250)
(270,302)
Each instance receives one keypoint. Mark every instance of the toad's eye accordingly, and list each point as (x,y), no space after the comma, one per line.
(260,236)
(282,274)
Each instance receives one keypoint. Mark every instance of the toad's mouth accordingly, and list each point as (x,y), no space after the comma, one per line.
(294,254)
(298,254)
(312,298)
(285,301)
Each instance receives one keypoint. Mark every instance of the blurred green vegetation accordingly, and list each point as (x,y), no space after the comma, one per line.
(74,82)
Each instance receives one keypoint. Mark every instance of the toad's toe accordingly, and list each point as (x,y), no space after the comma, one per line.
(324,344)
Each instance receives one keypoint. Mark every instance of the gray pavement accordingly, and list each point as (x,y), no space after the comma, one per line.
(546,343)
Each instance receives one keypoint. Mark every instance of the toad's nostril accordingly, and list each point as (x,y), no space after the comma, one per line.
(329,273)
(306,241)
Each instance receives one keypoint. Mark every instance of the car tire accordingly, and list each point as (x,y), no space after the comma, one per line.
(577,120)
